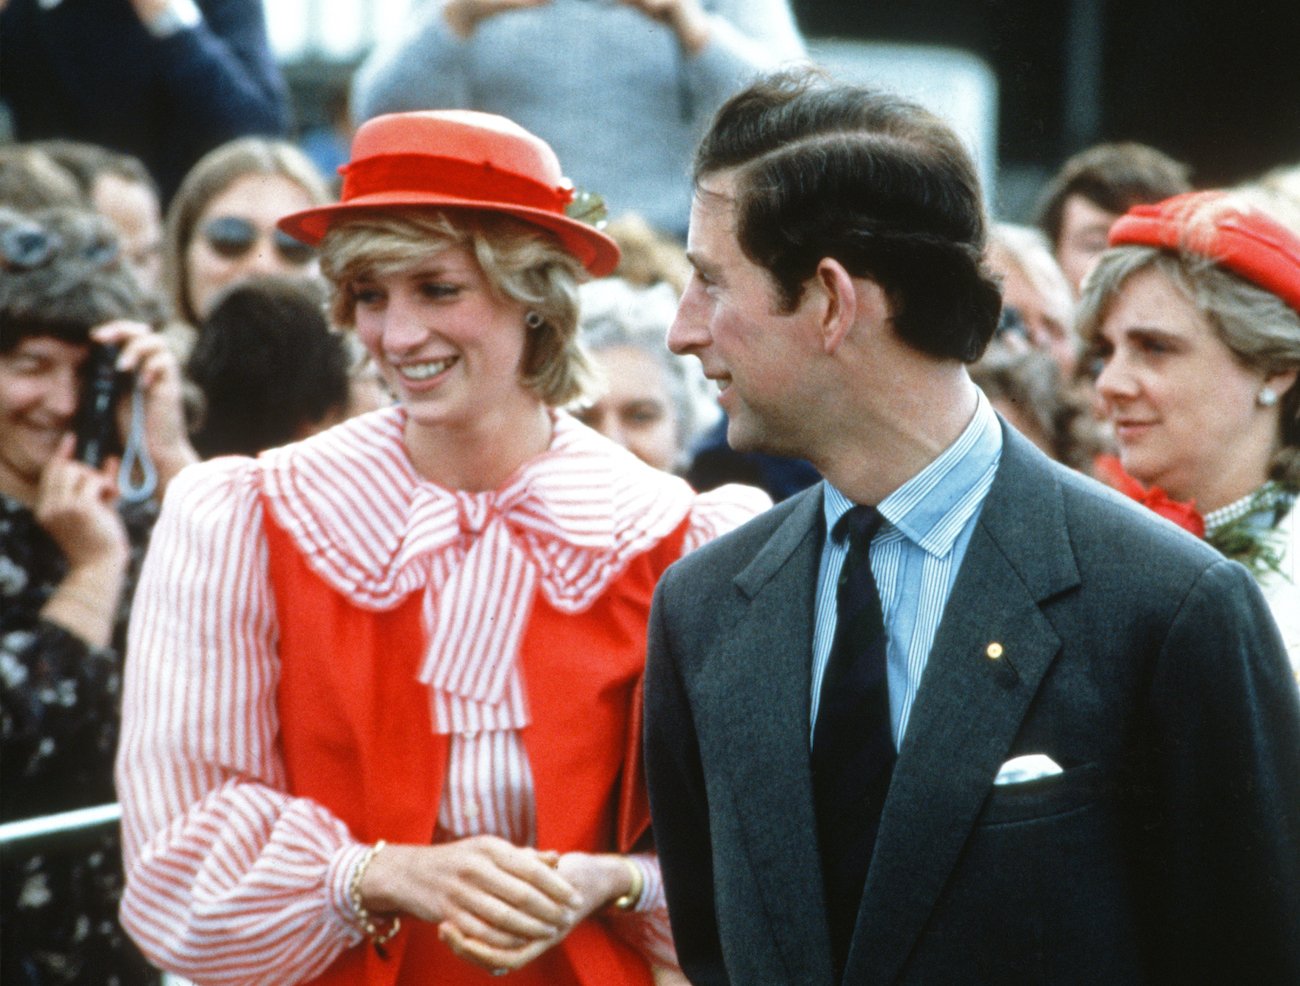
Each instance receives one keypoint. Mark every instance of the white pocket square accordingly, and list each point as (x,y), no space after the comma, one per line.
(1030,767)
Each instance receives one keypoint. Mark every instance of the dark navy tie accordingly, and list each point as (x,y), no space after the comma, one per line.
(853,748)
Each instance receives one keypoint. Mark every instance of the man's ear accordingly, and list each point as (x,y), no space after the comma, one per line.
(846,300)
(837,303)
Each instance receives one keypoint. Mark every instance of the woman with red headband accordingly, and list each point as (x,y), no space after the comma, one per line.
(1194,314)
(381,707)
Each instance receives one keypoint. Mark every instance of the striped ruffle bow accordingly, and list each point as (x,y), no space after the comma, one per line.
(567,525)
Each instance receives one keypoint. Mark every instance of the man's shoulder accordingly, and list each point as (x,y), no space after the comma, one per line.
(1097,517)
(1103,519)
(724,558)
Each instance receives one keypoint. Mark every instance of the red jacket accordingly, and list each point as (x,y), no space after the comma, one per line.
(357,738)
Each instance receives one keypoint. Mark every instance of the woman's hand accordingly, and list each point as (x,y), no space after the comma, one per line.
(598,881)
(146,354)
(464,16)
(483,887)
(75,505)
(686,18)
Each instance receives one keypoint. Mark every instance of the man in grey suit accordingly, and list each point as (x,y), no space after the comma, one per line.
(955,715)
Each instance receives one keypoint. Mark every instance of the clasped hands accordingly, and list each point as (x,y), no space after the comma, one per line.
(496,904)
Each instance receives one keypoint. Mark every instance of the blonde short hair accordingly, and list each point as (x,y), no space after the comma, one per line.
(521,262)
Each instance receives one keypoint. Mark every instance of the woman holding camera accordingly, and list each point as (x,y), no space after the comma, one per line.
(1194,316)
(381,712)
(65,551)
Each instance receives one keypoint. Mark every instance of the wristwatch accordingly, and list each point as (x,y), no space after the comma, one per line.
(177,16)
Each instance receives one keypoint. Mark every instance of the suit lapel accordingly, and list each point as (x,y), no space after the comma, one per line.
(759,688)
(969,707)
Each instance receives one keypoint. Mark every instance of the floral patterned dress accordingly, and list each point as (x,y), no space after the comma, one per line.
(59,723)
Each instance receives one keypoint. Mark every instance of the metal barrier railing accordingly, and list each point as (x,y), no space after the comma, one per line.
(66,822)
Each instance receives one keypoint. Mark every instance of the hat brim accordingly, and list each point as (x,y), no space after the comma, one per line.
(598,253)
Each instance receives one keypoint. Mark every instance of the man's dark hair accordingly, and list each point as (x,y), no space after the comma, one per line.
(269,367)
(1113,177)
(871,180)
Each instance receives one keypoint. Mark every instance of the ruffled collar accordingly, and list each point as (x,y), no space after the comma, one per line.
(566,524)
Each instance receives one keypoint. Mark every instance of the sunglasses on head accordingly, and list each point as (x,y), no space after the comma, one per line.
(29,246)
(232,238)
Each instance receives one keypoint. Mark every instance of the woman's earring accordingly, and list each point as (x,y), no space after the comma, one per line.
(1267,397)
(533,320)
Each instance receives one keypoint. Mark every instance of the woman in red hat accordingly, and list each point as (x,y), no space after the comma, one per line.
(381,708)
(1194,314)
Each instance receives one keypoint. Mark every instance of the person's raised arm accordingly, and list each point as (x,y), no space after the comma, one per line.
(425,67)
(218,66)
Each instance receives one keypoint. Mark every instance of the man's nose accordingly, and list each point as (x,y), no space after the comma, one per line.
(688,331)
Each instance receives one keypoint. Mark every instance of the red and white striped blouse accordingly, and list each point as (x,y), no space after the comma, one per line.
(230,878)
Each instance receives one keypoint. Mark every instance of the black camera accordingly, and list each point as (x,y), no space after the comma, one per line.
(103,385)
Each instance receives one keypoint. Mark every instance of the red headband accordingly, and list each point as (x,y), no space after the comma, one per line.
(1246,242)
(452,178)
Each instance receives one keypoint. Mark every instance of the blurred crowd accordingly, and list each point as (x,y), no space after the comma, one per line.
(142,253)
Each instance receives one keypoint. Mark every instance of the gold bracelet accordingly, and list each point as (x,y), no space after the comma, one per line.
(633,896)
(363,917)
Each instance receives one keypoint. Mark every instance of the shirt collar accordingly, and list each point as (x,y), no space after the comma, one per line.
(932,508)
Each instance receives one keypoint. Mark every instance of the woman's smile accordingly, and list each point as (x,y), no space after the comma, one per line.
(425,371)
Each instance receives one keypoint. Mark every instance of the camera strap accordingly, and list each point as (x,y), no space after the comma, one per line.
(137,477)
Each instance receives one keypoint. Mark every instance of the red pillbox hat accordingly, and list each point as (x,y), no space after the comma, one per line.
(1223,229)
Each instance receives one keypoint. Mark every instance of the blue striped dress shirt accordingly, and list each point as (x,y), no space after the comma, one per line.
(914,557)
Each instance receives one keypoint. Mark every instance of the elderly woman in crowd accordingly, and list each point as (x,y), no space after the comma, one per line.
(65,564)
(1194,313)
(1036,299)
(653,402)
(380,723)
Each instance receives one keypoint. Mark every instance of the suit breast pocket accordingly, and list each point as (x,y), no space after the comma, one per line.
(1045,797)
(1043,891)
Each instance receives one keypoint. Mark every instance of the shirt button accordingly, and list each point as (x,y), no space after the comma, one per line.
(471,810)
(470,734)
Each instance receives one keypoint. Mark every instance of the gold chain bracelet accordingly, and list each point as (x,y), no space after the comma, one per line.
(363,917)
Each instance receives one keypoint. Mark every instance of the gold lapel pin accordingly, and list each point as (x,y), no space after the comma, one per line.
(1005,673)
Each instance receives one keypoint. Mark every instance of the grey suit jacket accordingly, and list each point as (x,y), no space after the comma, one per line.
(1168,851)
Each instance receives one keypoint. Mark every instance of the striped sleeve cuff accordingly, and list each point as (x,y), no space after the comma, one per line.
(652,886)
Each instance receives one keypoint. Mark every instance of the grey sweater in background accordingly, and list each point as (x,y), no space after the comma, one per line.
(610,89)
